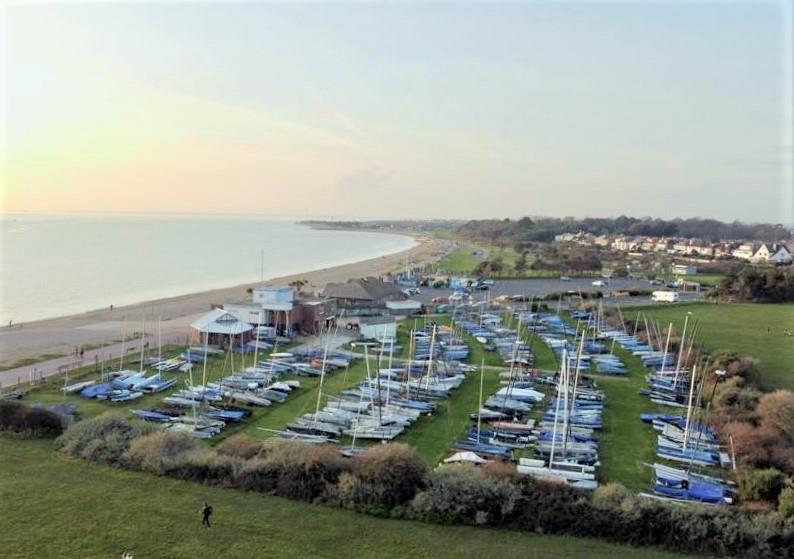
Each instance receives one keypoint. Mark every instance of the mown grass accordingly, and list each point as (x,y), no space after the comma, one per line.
(705,279)
(741,327)
(459,261)
(627,444)
(60,508)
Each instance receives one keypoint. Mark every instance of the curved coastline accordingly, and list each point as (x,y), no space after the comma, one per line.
(59,335)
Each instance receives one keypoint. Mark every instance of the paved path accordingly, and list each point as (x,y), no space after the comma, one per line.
(28,373)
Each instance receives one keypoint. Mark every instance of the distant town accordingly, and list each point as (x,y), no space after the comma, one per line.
(747,250)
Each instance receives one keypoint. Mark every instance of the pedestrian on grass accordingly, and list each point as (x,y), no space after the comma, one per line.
(206,512)
(82,352)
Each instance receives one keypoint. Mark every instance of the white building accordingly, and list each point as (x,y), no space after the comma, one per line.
(378,327)
(767,252)
(745,251)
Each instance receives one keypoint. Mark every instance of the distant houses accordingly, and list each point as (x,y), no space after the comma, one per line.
(756,252)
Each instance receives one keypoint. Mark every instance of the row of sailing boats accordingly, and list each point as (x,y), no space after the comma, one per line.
(388,400)
(683,439)
(564,441)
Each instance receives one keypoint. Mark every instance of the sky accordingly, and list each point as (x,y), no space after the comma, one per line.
(424,110)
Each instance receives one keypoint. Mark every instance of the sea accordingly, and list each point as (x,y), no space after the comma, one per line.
(67,264)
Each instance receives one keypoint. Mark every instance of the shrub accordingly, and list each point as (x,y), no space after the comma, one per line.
(612,495)
(463,494)
(206,466)
(764,485)
(501,470)
(158,452)
(734,397)
(785,504)
(386,475)
(103,439)
(294,470)
(776,411)
(240,447)
(29,422)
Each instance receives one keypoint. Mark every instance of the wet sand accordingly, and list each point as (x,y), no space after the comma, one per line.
(59,336)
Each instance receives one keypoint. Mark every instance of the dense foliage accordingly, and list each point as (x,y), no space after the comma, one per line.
(751,283)
(29,421)
(543,229)
(103,439)
(391,480)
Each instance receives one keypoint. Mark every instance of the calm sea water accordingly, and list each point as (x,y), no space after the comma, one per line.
(59,265)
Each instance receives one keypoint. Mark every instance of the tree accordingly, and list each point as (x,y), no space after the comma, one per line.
(298,285)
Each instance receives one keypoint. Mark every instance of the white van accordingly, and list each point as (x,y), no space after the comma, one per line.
(664,296)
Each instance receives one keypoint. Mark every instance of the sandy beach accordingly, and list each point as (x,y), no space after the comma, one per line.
(59,336)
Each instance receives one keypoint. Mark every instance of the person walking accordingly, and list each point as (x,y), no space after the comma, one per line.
(206,512)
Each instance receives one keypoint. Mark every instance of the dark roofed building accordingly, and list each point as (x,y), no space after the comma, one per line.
(363,293)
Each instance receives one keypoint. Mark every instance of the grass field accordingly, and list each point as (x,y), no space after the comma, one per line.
(742,327)
(59,508)
(626,444)
(459,261)
(705,279)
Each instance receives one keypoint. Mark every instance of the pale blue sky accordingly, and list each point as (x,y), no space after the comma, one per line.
(402,109)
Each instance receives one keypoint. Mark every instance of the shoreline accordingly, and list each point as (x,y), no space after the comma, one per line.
(59,335)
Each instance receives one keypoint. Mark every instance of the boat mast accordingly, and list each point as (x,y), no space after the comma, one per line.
(143,335)
(563,364)
(123,341)
(689,407)
(479,408)
(256,339)
(322,375)
(681,349)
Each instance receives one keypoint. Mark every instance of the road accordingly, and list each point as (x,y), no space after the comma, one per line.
(44,369)
(542,286)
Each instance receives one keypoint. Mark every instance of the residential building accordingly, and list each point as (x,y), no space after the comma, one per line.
(773,253)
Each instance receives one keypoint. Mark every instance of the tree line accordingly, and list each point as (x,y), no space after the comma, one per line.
(543,229)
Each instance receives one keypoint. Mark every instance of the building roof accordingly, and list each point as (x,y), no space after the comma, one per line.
(370,320)
(364,289)
(273,288)
(219,321)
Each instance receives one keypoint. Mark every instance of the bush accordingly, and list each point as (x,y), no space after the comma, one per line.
(613,495)
(761,485)
(29,422)
(386,475)
(295,470)
(240,447)
(776,411)
(204,465)
(158,452)
(103,439)
(735,398)
(463,494)
(785,504)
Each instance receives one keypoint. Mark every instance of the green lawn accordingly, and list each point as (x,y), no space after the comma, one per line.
(742,327)
(705,279)
(60,508)
(626,443)
(459,261)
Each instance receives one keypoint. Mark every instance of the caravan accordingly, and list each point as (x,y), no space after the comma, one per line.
(664,296)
